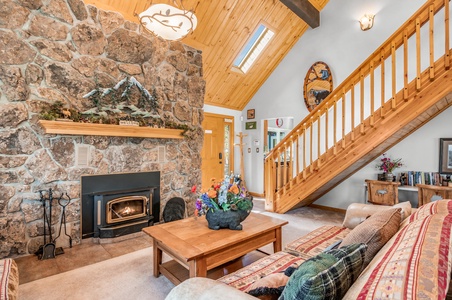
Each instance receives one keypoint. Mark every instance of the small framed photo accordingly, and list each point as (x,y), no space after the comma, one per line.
(250,125)
(250,114)
(445,155)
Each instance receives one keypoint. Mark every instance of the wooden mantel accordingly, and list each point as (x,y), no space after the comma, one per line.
(75,128)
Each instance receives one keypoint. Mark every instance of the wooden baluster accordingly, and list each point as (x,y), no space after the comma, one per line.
(319,162)
(394,81)
(284,168)
(418,54)
(278,171)
(297,152)
(290,175)
(361,83)
(326,128)
(343,119)
(431,18)
(335,126)
(311,167)
(352,89)
(372,94)
(446,40)
(304,151)
(405,64)
(382,69)
(270,187)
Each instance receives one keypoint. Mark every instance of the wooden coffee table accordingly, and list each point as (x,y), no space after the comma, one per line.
(198,249)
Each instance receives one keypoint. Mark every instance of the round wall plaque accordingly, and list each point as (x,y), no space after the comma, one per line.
(318,84)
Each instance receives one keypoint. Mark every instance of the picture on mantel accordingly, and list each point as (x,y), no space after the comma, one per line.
(318,84)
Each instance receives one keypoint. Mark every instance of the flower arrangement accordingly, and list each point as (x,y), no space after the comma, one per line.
(387,165)
(225,195)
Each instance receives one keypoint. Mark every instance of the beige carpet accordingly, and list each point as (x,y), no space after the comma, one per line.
(130,276)
(124,277)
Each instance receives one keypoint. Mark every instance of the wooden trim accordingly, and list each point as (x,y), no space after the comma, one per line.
(339,210)
(257,195)
(75,128)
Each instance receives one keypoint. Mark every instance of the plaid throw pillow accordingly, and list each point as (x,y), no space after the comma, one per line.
(327,275)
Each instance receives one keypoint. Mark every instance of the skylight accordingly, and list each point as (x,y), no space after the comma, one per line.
(253,48)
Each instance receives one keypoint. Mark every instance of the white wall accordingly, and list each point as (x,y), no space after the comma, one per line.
(341,44)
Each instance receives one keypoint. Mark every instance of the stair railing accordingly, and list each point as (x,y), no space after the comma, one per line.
(368,94)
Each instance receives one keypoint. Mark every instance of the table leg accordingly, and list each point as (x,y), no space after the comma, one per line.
(197,268)
(277,244)
(157,259)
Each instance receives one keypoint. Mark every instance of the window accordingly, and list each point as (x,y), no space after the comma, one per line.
(253,48)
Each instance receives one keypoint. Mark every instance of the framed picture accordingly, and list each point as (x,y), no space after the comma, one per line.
(250,114)
(251,125)
(445,156)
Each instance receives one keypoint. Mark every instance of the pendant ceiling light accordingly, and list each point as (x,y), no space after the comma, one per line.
(169,22)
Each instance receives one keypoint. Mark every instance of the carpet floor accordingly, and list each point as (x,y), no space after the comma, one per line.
(130,276)
(124,277)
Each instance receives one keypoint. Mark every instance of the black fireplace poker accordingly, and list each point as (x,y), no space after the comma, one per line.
(47,250)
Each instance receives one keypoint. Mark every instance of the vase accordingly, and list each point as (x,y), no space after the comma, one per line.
(226,219)
(389,177)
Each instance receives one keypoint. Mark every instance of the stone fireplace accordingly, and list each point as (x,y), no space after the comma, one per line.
(59,50)
(119,204)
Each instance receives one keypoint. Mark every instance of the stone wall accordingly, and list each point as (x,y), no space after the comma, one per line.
(60,50)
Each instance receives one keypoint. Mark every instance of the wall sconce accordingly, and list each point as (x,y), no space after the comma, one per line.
(169,22)
(366,22)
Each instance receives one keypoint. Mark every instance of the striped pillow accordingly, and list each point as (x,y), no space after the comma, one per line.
(9,279)
(327,275)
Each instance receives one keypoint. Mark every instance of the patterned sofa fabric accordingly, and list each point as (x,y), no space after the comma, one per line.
(415,263)
(317,241)
(274,263)
(9,279)
(294,254)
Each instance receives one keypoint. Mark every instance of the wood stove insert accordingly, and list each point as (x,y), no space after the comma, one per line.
(119,204)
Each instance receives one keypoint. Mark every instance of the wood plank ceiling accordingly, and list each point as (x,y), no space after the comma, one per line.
(224,27)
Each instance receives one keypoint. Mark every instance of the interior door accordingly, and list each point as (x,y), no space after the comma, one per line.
(216,152)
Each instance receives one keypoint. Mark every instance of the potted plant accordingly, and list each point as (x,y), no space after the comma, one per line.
(388,165)
(225,204)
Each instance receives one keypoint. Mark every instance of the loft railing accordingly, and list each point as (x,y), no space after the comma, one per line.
(368,95)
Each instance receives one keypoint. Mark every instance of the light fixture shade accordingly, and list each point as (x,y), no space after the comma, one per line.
(168,22)
(366,22)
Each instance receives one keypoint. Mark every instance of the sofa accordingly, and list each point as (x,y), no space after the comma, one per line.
(9,279)
(393,252)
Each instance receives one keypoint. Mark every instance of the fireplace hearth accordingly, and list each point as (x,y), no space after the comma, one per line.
(119,204)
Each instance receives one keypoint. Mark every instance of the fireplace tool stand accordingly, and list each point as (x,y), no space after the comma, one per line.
(63,202)
(47,250)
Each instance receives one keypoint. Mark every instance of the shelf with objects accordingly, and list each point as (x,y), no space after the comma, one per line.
(75,128)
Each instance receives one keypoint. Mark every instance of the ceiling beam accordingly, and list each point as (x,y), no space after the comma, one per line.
(305,10)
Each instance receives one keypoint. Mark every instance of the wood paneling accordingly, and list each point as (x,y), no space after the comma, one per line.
(224,27)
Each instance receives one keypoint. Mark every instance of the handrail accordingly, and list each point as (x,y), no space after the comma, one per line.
(362,100)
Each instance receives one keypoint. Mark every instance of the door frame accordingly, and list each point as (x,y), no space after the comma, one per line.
(232,143)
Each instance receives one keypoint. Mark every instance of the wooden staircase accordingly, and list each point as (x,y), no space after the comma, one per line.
(383,101)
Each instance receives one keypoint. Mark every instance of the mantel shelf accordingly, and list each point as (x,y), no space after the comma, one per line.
(76,128)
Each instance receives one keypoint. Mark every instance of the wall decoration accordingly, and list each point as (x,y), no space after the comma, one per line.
(318,84)
(250,114)
(250,125)
(279,122)
(445,156)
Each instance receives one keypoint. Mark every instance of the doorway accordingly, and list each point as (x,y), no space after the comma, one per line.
(217,151)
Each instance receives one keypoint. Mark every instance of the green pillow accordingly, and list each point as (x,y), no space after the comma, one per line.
(326,276)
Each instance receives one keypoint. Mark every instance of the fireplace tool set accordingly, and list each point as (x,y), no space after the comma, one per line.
(49,250)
